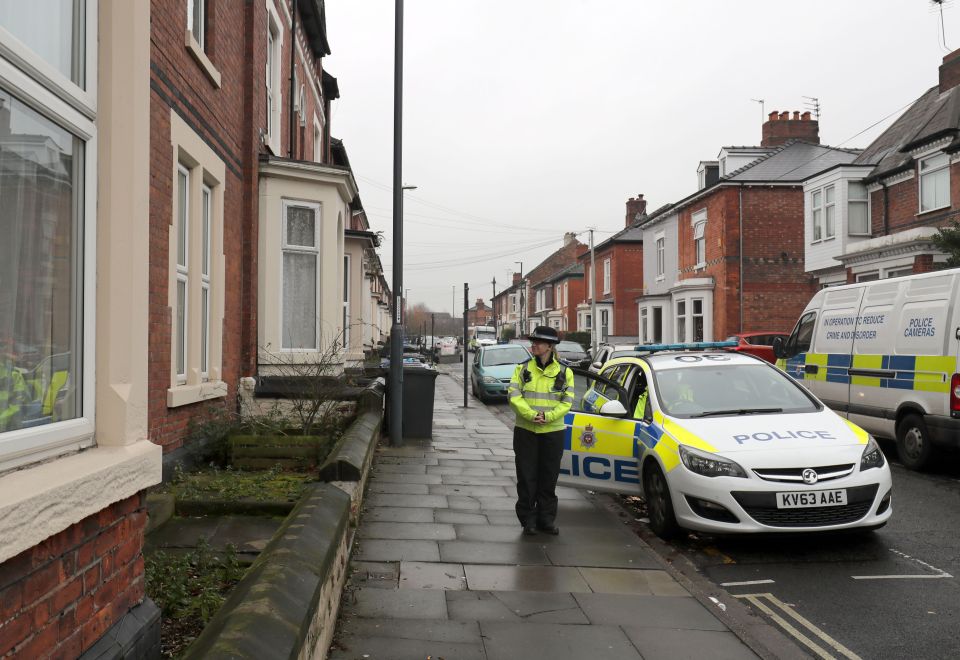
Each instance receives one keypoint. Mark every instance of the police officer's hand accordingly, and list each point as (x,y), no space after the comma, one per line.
(540,418)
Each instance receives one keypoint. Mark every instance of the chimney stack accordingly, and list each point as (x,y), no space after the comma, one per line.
(636,207)
(950,71)
(516,278)
(569,237)
(779,128)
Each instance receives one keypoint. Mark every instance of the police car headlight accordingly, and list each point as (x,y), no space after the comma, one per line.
(709,465)
(490,379)
(872,457)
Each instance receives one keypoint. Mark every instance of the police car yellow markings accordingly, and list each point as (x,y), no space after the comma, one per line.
(862,436)
(608,445)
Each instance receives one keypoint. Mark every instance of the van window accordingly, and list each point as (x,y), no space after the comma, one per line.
(799,341)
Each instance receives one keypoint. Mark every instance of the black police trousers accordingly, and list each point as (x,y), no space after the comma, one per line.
(538,468)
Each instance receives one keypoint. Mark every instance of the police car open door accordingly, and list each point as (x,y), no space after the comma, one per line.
(600,449)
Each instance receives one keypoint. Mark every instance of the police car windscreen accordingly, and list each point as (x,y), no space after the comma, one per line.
(505,355)
(700,391)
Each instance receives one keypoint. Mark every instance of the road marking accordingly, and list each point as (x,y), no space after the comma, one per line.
(745,584)
(755,600)
(937,574)
(714,552)
(901,577)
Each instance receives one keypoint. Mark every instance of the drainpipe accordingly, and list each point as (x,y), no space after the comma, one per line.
(886,209)
(740,210)
(293,77)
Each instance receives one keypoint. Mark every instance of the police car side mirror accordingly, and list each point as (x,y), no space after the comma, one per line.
(778,350)
(597,364)
(613,409)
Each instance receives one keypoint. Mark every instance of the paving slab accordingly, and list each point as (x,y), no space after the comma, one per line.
(498,503)
(664,644)
(398,514)
(374,575)
(506,640)
(512,554)
(465,502)
(460,480)
(434,630)
(459,518)
(484,490)
(370,647)
(431,575)
(625,581)
(407,531)
(647,611)
(601,555)
(399,603)
(401,488)
(406,460)
(417,501)
(408,478)
(400,469)
(525,578)
(533,606)
(382,550)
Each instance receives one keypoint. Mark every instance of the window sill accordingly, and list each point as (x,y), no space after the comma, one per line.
(661,278)
(46,499)
(939,208)
(202,59)
(183,395)
(700,266)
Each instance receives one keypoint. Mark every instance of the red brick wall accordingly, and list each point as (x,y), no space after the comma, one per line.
(626,285)
(218,117)
(903,204)
(58,598)
(575,296)
(565,256)
(776,288)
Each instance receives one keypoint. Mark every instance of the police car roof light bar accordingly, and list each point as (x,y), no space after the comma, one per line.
(695,346)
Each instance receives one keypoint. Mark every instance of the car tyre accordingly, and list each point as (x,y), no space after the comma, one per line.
(914,447)
(663,520)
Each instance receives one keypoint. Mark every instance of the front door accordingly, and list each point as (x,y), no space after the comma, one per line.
(599,450)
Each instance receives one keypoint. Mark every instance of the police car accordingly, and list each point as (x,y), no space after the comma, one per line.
(722,442)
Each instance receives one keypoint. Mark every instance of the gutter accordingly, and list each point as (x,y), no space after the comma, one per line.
(293,76)
(740,220)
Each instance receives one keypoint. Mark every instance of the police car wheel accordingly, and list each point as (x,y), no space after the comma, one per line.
(913,443)
(663,522)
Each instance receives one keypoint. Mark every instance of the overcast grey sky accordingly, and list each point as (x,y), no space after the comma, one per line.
(524,119)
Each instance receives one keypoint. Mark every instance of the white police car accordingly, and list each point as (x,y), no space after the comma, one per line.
(725,443)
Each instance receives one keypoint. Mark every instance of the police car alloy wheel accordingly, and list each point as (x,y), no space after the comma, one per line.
(663,522)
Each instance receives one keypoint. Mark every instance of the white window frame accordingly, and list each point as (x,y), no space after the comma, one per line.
(317,141)
(700,244)
(897,271)
(203,275)
(680,319)
(606,276)
(816,215)
(301,249)
(868,276)
(829,210)
(206,265)
(921,175)
(694,316)
(857,201)
(73,107)
(274,90)
(661,248)
(197,9)
(346,301)
(181,330)
(643,325)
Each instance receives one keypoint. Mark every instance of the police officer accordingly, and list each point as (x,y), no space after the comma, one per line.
(540,393)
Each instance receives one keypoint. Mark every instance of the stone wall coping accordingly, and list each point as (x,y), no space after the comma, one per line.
(350,458)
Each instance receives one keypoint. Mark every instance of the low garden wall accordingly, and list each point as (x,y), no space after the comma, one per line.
(286,604)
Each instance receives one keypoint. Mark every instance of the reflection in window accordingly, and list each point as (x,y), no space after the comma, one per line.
(54,30)
(40,301)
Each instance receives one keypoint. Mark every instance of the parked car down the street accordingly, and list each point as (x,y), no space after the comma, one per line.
(572,354)
(493,367)
(757,343)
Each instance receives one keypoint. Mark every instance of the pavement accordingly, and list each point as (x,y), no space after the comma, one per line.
(440,569)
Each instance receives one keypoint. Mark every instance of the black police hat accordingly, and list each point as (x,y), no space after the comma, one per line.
(545,333)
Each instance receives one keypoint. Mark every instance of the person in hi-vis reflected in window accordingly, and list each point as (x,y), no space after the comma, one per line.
(540,393)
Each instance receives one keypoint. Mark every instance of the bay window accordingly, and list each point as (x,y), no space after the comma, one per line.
(829,212)
(48,228)
(816,210)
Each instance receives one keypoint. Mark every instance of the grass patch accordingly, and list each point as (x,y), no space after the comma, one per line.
(189,588)
(228,484)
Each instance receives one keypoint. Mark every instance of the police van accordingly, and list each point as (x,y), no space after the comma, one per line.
(886,355)
(722,442)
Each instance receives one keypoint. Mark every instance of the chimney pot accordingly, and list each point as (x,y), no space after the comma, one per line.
(796,115)
(773,116)
(805,116)
(784,116)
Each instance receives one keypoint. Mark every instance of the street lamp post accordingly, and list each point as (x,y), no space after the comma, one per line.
(396,338)
(522,287)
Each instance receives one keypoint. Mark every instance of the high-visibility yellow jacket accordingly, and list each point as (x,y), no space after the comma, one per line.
(540,392)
